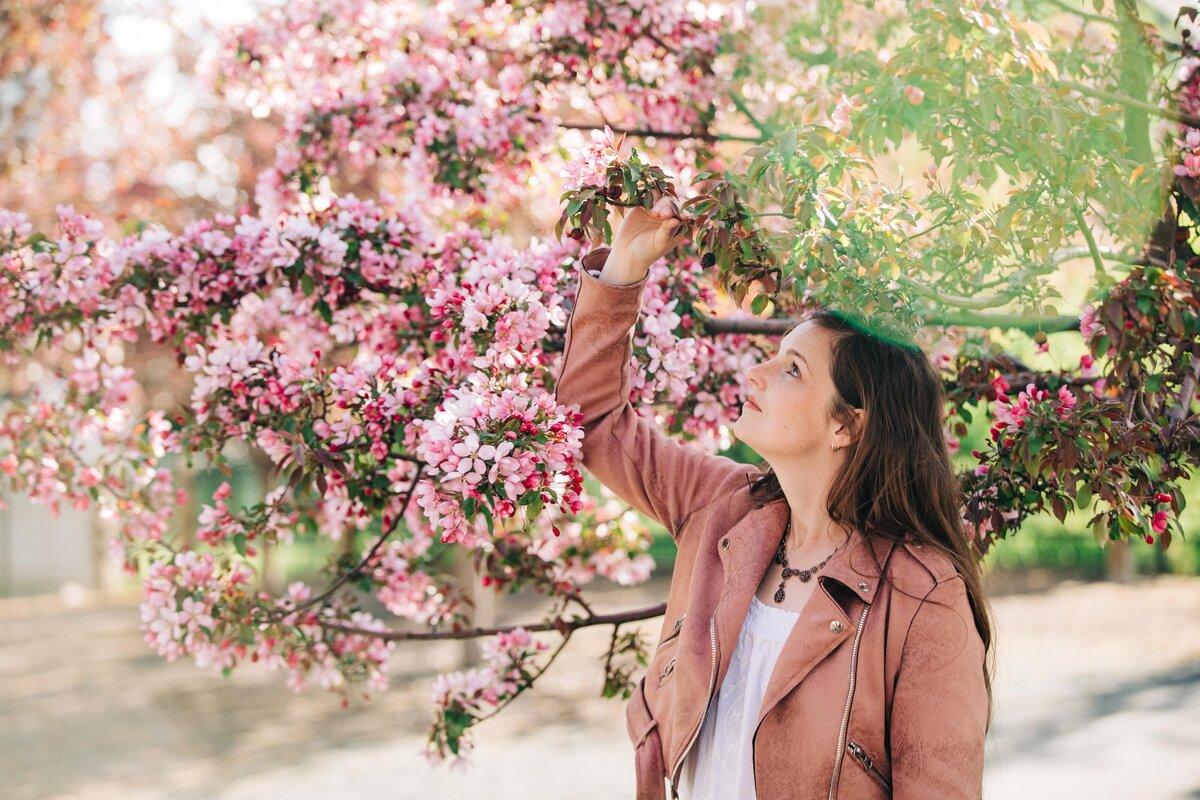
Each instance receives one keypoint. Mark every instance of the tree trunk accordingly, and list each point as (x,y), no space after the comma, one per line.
(1119,562)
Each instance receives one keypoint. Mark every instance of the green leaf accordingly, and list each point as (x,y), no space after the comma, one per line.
(325,311)
(1083,495)
(239,544)
(758,304)
(306,284)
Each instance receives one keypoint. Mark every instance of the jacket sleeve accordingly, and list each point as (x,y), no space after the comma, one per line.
(662,478)
(939,709)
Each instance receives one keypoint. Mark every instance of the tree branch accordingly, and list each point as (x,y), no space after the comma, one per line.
(777,327)
(1081,13)
(970,303)
(1187,392)
(564,626)
(1141,105)
(740,102)
(641,132)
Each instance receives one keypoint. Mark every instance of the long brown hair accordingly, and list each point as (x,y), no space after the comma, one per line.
(897,481)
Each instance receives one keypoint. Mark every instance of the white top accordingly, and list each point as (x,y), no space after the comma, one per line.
(720,765)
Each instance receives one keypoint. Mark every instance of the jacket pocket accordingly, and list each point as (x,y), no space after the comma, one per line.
(865,761)
(674,634)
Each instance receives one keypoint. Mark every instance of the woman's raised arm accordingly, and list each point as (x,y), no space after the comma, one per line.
(659,476)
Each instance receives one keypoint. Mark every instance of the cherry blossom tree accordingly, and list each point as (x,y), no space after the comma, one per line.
(395,363)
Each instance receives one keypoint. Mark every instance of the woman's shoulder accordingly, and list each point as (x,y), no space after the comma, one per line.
(919,567)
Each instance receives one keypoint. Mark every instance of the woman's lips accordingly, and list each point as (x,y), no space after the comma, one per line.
(751,404)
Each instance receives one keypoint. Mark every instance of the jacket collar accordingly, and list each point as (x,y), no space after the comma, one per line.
(754,540)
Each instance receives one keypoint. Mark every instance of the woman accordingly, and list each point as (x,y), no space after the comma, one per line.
(826,632)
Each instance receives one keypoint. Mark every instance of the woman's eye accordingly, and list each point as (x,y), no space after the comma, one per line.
(796,367)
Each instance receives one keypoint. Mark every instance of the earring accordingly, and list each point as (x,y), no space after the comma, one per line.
(836,448)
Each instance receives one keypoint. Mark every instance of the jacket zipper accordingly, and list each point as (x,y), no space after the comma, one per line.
(712,633)
(837,764)
(859,753)
(674,633)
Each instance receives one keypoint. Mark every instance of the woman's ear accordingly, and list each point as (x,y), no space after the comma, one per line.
(854,433)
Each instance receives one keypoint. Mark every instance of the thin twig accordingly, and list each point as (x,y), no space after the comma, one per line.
(1091,242)
(345,577)
(528,683)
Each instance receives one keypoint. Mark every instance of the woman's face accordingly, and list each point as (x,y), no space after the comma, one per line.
(793,392)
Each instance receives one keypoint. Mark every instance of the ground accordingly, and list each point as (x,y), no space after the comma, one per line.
(1097,695)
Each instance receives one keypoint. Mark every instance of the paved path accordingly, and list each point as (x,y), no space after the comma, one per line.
(1098,695)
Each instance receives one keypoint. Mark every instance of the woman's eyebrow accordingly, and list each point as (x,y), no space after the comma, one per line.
(797,352)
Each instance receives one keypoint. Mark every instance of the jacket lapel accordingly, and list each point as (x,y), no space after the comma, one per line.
(752,543)
(823,623)
(817,632)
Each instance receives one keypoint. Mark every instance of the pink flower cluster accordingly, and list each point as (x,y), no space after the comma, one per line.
(609,541)
(984,528)
(1089,326)
(1190,149)
(495,450)
(469,694)
(45,281)
(194,605)
(179,599)
(405,588)
(411,92)
(405,83)
(44,438)
(700,378)
(1010,413)
(1161,518)
(590,166)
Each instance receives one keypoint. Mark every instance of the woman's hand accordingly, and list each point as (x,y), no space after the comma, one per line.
(643,237)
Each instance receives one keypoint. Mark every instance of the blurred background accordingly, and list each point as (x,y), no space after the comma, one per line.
(1098,684)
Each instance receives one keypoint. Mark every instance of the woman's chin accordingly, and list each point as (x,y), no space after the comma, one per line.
(739,427)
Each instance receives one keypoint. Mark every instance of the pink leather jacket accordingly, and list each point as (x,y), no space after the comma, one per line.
(878,692)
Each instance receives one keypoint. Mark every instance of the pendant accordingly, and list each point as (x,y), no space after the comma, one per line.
(779,594)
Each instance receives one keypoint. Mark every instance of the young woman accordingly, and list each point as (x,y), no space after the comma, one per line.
(826,633)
